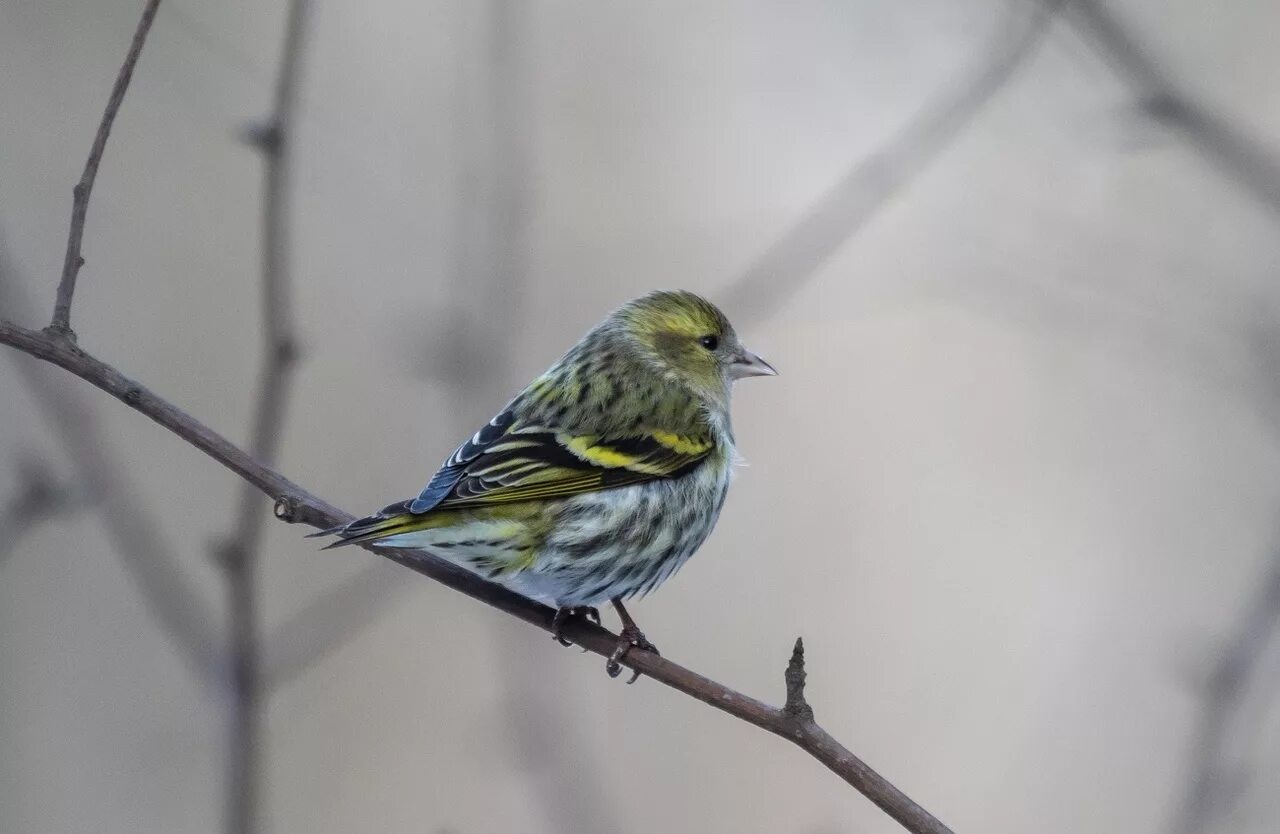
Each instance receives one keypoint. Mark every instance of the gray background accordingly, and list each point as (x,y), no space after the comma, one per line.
(1016,484)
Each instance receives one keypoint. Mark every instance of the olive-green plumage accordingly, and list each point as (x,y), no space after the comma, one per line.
(604,475)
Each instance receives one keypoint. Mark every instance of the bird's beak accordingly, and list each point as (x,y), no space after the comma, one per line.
(747,364)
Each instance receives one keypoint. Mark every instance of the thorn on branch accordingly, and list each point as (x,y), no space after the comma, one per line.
(286,509)
(796,706)
(61,322)
(294,510)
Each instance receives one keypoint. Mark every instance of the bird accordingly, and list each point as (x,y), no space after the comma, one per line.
(600,479)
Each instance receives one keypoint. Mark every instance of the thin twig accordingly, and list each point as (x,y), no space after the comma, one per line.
(868,186)
(71,264)
(240,554)
(294,504)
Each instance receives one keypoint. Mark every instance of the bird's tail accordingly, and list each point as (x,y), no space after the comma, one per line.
(391,520)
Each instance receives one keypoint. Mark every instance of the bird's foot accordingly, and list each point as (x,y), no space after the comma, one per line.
(563,614)
(629,638)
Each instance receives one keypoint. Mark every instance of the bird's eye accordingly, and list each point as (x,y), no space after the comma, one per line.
(710,342)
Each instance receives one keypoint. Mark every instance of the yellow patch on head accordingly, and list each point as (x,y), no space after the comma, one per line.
(675,312)
(685,334)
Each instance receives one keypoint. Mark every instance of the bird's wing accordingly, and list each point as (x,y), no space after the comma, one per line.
(506,462)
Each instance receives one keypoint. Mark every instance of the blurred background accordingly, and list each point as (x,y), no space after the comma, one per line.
(1018,485)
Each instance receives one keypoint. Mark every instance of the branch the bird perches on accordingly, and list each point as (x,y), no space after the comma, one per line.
(296,505)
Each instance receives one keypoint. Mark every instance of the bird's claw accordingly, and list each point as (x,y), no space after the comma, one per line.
(563,614)
(628,639)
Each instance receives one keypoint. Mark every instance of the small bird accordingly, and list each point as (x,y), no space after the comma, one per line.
(601,478)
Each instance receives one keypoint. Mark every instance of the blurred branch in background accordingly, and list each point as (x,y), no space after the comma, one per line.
(331,619)
(474,336)
(40,497)
(1213,783)
(169,596)
(469,354)
(799,254)
(494,128)
(1243,159)
(239,555)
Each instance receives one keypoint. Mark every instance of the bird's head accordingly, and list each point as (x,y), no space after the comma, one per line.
(687,338)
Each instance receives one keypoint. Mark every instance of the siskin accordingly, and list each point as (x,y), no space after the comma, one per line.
(599,480)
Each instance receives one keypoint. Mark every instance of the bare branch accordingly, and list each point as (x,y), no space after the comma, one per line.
(869,185)
(240,554)
(294,504)
(1243,159)
(71,264)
